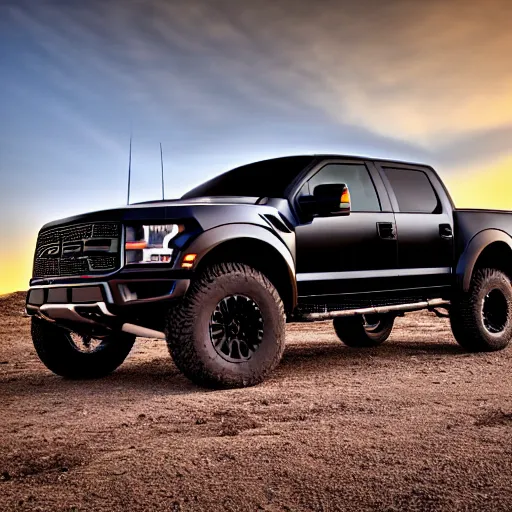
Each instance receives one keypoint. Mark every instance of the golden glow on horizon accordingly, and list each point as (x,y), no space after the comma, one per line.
(489,188)
(15,271)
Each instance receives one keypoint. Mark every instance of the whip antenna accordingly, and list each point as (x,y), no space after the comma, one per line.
(129,169)
(162,166)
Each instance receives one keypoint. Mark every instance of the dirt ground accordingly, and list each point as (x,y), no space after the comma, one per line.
(415,424)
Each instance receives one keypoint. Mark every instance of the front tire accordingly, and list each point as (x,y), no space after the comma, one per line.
(364,331)
(229,330)
(74,356)
(481,319)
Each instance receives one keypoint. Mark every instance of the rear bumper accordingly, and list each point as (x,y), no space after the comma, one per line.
(107,305)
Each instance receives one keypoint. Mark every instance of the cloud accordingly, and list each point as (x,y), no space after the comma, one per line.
(431,74)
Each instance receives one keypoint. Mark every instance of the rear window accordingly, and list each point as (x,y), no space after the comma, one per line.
(413,190)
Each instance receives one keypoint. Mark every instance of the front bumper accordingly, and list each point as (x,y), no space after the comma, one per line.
(136,306)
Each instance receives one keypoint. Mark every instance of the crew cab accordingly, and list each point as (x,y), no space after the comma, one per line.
(219,272)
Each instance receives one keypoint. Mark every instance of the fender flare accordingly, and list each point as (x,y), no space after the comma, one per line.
(212,238)
(476,246)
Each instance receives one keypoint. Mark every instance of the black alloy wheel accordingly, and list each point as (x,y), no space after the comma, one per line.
(495,311)
(236,328)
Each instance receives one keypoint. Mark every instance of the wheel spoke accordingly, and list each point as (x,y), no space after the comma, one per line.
(223,307)
(244,349)
(234,352)
(220,341)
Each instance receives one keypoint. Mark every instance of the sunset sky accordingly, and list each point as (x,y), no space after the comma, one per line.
(221,83)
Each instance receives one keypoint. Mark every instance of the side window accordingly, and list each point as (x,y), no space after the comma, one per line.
(304,190)
(413,190)
(363,195)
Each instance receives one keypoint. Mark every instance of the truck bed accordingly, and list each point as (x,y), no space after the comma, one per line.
(470,222)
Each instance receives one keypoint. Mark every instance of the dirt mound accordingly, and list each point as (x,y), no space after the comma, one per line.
(35,460)
(494,418)
(13,304)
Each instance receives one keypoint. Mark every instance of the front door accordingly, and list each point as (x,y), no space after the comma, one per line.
(347,254)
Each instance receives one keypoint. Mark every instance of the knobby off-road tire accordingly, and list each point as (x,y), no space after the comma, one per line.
(227,303)
(60,354)
(359,331)
(481,319)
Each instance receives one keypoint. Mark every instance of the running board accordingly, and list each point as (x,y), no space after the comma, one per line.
(143,332)
(379,310)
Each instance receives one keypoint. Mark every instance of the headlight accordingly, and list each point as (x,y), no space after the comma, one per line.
(150,243)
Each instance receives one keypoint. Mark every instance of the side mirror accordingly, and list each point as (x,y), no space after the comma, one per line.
(329,199)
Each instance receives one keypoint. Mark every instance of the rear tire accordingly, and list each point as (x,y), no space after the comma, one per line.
(70,355)
(481,319)
(229,330)
(364,331)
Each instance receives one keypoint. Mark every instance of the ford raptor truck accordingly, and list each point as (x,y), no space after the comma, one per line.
(219,272)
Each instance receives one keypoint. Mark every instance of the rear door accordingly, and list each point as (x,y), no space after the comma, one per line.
(424,222)
(347,254)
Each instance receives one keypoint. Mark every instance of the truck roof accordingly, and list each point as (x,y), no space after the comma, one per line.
(365,157)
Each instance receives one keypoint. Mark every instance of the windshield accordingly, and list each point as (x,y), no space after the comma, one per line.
(268,178)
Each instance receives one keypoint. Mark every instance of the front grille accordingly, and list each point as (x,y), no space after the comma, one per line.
(102,263)
(70,250)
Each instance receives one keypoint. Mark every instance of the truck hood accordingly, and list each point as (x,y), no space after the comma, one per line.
(205,211)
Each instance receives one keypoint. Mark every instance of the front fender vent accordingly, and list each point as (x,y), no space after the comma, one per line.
(276,223)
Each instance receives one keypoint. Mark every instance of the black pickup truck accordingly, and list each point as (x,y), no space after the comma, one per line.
(220,271)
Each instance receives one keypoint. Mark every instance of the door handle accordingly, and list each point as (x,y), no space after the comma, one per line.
(446,231)
(386,230)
